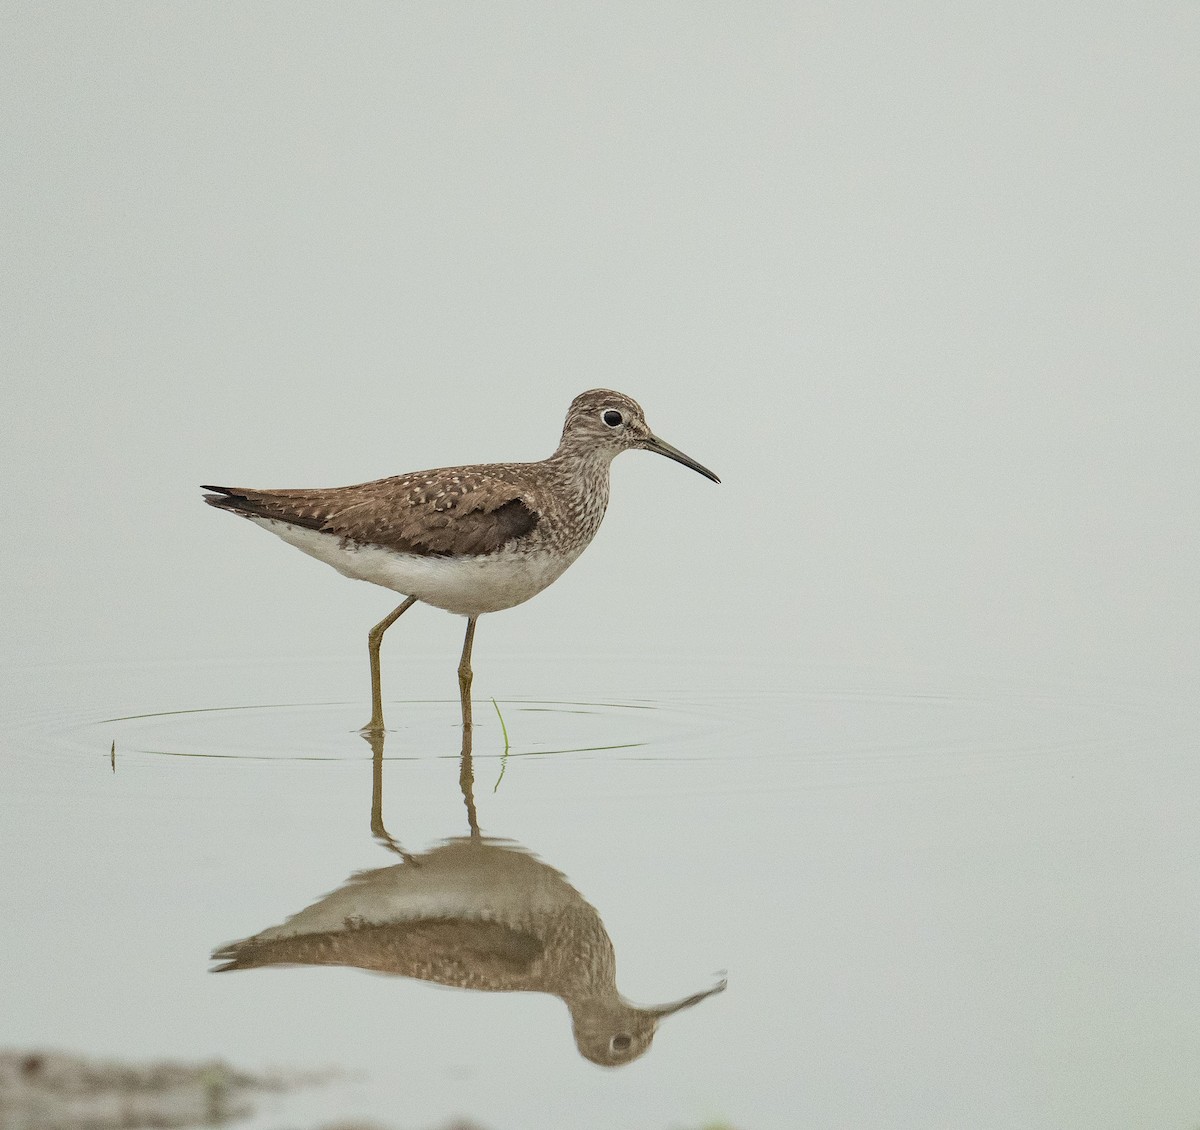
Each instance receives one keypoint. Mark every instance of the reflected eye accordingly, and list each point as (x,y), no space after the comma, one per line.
(620,1043)
(613,419)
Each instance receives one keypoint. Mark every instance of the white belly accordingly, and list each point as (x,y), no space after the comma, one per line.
(468,586)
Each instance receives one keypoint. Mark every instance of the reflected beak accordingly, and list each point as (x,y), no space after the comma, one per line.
(687,1002)
(653,443)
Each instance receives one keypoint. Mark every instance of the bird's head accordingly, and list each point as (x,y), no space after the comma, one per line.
(612,422)
(612,1032)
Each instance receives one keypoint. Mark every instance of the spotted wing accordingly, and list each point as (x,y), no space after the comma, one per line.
(436,513)
(470,954)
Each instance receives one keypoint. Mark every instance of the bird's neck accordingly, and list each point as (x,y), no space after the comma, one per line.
(581,469)
(580,481)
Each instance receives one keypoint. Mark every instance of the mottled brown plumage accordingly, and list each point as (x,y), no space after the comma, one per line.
(476,914)
(470,539)
(472,511)
(462,953)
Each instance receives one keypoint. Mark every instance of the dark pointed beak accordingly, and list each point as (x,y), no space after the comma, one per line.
(653,443)
(687,1002)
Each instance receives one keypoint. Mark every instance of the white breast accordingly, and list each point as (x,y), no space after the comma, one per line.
(467,586)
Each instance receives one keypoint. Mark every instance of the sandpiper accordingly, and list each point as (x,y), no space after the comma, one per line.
(476,914)
(469,539)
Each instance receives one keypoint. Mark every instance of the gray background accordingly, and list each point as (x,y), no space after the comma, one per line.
(908,700)
(920,282)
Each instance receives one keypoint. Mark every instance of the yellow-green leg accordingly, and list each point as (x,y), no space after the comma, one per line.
(466,782)
(374,639)
(464,674)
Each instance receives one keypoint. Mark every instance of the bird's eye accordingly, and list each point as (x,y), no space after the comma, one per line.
(620,1043)
(612,418)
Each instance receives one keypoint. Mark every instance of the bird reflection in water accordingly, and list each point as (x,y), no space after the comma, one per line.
(475,913)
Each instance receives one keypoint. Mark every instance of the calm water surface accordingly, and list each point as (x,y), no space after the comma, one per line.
(918,281)
(935,903)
